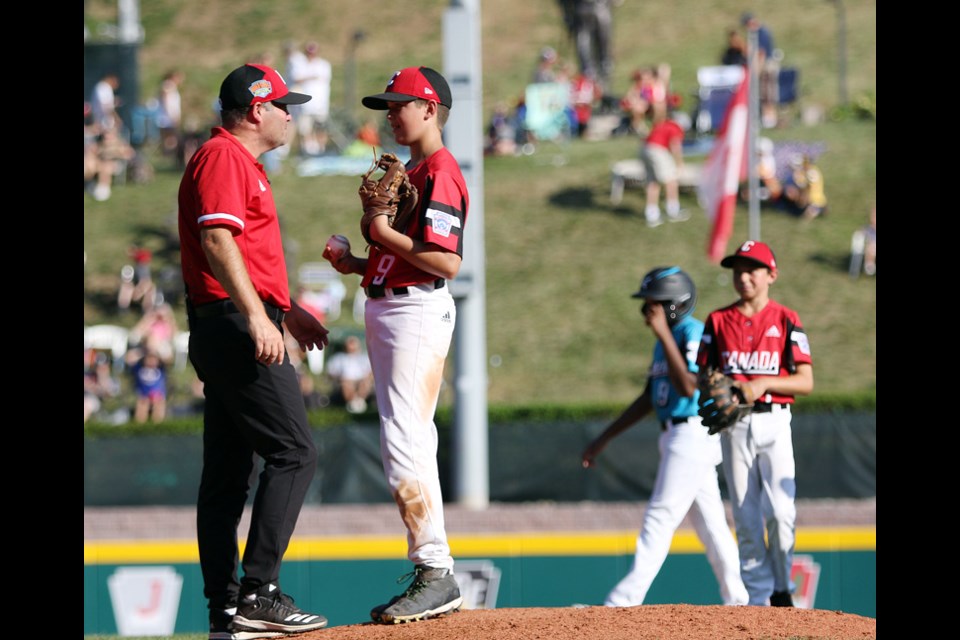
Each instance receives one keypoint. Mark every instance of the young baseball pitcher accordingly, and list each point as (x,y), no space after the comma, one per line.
(761,344)
(409,318)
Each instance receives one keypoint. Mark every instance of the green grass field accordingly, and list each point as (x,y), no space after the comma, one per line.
(561,260)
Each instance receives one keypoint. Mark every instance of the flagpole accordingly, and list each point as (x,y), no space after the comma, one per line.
(753,129)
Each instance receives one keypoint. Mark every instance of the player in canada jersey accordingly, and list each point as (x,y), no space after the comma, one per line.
(409,319)
(762,344)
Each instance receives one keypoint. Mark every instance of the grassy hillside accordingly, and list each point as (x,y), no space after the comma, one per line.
(207,39)
(561,260)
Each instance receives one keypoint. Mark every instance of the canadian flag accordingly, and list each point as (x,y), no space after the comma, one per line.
(724,170)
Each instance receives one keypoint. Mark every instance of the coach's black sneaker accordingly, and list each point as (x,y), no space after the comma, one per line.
(433,592)
(268,609)
(781,599)
(221,628)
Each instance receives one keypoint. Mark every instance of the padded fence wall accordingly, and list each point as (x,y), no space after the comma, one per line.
(836,457)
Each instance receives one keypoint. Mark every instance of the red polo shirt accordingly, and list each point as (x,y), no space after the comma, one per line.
(224,186)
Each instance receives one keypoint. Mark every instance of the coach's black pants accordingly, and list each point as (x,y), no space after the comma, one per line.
(250,409)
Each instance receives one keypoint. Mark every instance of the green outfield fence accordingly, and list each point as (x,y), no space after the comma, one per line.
(836,455)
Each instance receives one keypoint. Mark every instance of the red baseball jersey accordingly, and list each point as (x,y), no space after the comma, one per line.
(770,343)
(224,185)
(441,216)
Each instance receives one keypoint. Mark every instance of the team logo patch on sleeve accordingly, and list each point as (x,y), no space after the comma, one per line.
(800,339)
(442,223)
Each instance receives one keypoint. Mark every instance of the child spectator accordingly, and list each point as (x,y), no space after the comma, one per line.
(803,190)
(150,386)
(350,370)
(662,156)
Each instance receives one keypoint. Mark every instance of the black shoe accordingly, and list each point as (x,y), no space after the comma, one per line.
(781,599)
(433,592)
(268,609)
(221,628)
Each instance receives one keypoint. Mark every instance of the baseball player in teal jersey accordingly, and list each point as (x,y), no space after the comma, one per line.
(687,474)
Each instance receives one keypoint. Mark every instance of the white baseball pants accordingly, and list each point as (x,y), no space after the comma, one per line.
(408,337)
(686,481)
(760,473)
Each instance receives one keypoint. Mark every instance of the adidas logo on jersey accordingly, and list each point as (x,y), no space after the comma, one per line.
(772,332)
(446,317)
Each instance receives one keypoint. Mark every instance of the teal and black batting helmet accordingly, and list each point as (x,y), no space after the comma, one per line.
(672,287)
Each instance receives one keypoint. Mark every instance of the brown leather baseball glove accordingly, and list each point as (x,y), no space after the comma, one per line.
(391,195)
(722,400)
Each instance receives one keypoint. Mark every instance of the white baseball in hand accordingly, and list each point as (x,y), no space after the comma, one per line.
(338,246)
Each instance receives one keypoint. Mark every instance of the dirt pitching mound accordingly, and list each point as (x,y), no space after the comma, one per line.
(660,622)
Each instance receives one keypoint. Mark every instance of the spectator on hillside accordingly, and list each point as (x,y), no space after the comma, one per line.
(771,189)
(365,142)
(369,134)
(170,115)
(870,245)
(350,370)
(584,93)
(647,100)
(662,156)
(98,385)
(546,66)
(768,63)
(136,282)
(105,154)
(736,51)
(155,332)
(91,147)
(589,23)
(150,386)
(803,190)
(501,133)
(659,92)
(312,75)
(635,103)
(103,101)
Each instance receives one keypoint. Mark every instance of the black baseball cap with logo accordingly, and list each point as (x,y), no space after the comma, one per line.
(253,83)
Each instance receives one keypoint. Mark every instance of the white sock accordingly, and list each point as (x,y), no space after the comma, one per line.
(652,212)
(673,207)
